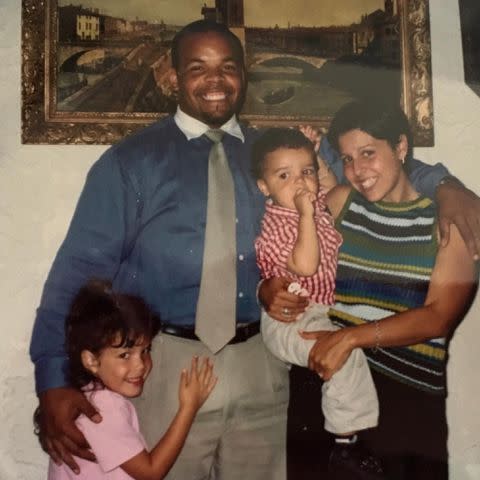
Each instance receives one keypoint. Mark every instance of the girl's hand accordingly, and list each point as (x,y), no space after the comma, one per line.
(196,384)
(329,353)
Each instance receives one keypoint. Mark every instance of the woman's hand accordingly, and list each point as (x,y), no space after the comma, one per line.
(196,384)
(278,302)
(59,436)
(330,351)
(313,134)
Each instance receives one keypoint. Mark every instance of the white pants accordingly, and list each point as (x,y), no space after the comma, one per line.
(349,398)
(240,432)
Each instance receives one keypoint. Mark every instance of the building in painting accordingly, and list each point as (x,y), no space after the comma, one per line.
(88,27)
(78,23)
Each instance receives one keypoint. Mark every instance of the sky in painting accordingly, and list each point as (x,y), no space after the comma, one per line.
(257,12)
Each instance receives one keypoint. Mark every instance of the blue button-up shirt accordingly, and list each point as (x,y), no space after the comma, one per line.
(140,221)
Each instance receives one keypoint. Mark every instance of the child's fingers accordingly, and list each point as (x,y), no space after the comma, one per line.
(207,372)
(204,370)
(183,378)
(211,384)
(194,368)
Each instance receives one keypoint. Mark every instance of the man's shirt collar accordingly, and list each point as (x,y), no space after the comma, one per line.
(193,128)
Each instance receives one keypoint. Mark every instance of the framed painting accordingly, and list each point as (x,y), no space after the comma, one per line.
(96,70)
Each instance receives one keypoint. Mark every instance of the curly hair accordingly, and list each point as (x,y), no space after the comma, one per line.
(99,318)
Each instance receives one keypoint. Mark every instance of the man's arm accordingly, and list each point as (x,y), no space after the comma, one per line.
(92,248)
(456,204)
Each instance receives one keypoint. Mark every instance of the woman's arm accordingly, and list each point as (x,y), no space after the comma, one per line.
(454,271)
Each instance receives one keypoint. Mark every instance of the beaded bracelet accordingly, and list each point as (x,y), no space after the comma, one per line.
(378,336)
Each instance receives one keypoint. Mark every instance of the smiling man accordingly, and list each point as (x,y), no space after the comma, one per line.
(142,221)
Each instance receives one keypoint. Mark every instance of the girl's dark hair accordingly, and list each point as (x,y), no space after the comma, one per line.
(206,26)
(381,120)
(99,318)
(273,139)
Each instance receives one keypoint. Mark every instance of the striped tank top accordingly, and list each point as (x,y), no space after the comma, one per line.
(384,267)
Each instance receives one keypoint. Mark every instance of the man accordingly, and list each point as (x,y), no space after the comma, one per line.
(156,184)
(141,221)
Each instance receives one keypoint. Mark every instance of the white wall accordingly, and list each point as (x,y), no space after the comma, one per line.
(39,186)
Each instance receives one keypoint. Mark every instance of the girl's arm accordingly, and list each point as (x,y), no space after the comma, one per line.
(195,387)
(448,298)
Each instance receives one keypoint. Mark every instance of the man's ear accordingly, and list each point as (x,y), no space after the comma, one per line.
(262,186)
(173,78)
(90,361)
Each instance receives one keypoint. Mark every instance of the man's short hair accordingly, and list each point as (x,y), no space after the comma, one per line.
(205,26)
(274,139)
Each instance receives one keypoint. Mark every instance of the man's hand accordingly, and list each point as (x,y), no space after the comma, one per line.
(278,302)
(459,205)
(59,436)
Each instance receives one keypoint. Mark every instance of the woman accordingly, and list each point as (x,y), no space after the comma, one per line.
(399,294)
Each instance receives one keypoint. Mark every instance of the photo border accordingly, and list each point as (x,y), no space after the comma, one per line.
(43,124)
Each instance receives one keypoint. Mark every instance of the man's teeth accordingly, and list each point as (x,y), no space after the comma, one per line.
(214,96)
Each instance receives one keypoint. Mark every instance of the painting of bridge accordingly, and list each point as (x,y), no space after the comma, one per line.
(108,60)
(112,63)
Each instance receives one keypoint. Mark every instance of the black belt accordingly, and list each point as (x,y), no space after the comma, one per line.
(243,333)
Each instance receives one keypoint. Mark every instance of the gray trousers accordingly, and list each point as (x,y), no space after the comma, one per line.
(240,431)
(349,398)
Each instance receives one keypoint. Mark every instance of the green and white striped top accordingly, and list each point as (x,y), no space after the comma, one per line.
(384,267)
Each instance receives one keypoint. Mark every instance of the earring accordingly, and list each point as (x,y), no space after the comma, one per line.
(402,160)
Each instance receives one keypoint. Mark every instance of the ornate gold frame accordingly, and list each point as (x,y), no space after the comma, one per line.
(43,124)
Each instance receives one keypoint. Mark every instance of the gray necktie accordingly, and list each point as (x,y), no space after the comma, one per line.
(216,307)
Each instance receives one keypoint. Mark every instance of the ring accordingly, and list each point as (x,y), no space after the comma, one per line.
(286,311)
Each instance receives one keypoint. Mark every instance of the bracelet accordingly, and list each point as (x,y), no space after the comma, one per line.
(378,336)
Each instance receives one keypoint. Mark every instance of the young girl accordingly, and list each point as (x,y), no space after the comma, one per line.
(108,340)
